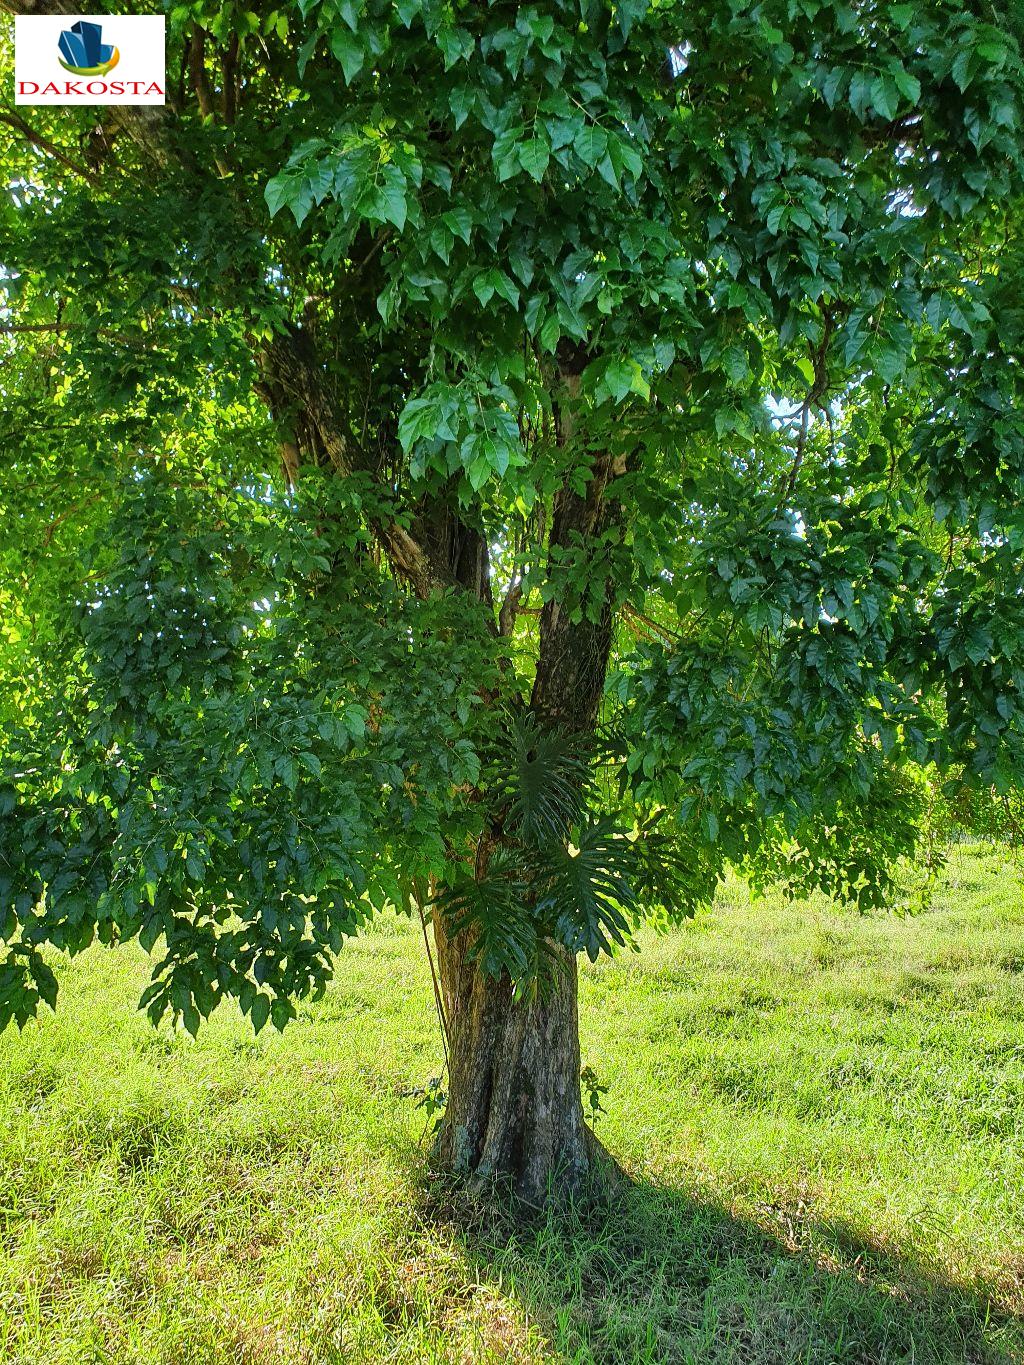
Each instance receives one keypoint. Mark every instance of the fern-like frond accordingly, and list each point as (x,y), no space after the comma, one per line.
(496,909)
(543,779)
(588,893)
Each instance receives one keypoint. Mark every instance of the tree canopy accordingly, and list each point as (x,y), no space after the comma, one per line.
(521,458)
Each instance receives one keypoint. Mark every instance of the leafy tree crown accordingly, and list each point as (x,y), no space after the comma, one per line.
(414,338)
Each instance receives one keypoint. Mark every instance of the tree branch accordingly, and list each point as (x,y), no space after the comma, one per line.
(16,328)
(510,606)
(45,145)
(817,390)
(147,125)
(197,72)
(229,70)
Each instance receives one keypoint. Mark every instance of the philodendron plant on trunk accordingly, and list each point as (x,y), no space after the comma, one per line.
(508,462)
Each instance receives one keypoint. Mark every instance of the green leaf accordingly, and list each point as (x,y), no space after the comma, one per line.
(861,87)
(907,84)
(394,204)
(461,102)
(773,221)
(550,332)
(260,1012)
(884,96)
(735,364)
(460,221)
(589,891)
(495,281)
(618,376)
(832,88)
(591,144)
(622,376)
(354,720)
(478,472)
(278,191)
(420,419)
(961,70)
(534,156)
(628,156)
(505,288)
(456,44)
(806,368)
(348,50)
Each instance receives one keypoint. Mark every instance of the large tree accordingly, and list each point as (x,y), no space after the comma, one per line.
(508,462)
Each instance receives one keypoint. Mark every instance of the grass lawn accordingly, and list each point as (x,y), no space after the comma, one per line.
(822,1115)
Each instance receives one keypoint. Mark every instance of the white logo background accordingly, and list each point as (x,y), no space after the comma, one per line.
(138,38)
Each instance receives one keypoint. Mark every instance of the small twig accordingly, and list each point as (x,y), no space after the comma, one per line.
(801,442)
(817,390)
(68,512)
(663,631)
(378,243)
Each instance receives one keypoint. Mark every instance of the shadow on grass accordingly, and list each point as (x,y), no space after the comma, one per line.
(649,1275)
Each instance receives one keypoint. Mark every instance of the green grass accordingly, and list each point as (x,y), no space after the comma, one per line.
(822,1115)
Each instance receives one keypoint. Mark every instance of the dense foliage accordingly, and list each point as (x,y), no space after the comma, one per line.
(419,348)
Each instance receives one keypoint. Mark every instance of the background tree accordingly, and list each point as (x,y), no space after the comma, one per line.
(511,461)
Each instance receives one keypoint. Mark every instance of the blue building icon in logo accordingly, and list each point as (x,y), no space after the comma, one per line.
(83,53)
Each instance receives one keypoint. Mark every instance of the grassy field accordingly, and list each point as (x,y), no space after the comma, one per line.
(822,1115)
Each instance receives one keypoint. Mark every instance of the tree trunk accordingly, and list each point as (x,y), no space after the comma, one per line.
(514,1109)
(514,1106)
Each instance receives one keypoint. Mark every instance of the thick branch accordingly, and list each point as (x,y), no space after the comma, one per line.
(197,72)
(573,657)
(439,551)
(17,328)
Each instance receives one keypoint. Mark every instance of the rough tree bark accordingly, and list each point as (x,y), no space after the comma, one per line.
(514,1107)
